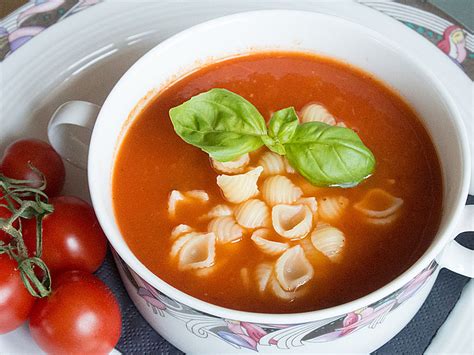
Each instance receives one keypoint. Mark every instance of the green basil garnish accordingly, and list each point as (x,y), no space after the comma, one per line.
(221,123)
(281,128)
(329,155)
(225,125)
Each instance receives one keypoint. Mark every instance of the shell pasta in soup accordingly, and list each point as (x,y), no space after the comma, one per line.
(277,182)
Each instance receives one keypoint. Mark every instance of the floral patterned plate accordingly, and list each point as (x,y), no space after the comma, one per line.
(59,50)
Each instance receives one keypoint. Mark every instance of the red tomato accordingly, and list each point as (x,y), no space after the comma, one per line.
(15,300)
(42,156)
(72,237)
(80,316)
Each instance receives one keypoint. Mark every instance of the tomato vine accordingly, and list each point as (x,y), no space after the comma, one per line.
(25,202)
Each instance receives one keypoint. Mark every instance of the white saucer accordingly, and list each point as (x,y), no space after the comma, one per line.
(81,58)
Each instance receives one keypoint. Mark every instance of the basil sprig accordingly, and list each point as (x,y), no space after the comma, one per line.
(225,125)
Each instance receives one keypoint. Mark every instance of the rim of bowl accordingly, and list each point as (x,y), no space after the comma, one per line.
(446,231)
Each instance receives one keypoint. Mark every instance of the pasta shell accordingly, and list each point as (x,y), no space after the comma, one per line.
(309,250)
(279,189)
(263,273)
(272,163)
(180,230)
(317,113)
(205,272)
(378,203)
(179,243)
(311,202)
(309,189)
(239,188)
(200,195)
(232,167)
(279,292)
(253,214)
(217,211)
(288,168)
(198,252)
(226,229)
(332,208)
(292,269)
(292,222)
(245,277)
(173,199)
(208,271)
(176,196)
(269,247)
(328,240)
(383,221)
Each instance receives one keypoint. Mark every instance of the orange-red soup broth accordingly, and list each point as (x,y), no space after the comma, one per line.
(153,160)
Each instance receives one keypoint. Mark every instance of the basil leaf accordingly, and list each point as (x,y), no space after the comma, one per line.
(281,128)
(328,155)
(221,123)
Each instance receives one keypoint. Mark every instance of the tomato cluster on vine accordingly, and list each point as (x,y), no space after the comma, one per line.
(49,247)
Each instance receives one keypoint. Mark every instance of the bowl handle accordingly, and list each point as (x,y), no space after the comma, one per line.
(70,130)
(454,256)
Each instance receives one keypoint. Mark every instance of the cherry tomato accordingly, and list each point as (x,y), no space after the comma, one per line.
(15,300)
(72,237)
(42,156)
(80,316)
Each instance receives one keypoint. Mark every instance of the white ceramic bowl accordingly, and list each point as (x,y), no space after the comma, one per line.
(362,325)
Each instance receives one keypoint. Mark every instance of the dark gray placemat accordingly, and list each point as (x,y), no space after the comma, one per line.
(139,338)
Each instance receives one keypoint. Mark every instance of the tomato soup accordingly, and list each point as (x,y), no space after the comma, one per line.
(355,240)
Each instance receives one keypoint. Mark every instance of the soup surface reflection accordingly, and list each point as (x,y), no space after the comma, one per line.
(153,161)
